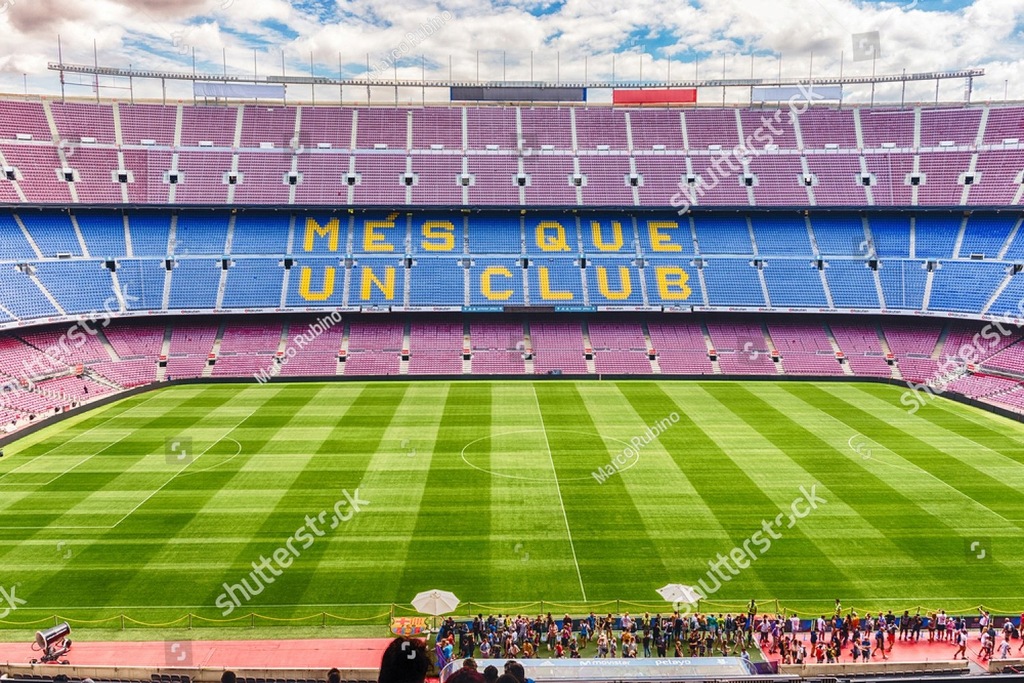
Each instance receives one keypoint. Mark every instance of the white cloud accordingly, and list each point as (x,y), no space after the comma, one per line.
(984,33)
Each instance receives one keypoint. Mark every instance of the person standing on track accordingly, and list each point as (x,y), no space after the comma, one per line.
(961,644)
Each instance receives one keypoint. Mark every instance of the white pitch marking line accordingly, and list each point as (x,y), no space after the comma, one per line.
(65,443)
(223,438)
(558,489)
(109,528)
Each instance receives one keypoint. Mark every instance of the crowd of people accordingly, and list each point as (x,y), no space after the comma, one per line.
(843,636)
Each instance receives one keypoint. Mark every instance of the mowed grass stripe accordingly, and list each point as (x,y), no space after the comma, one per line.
(924,535)
(606,526)
(338,464)
(96,571)
(451,545)
(376,541)
(67,432)
(835,529)
(970,522)
(55,505)
(739,505)
(991,444)
(530,560)
(646,530)
(926,453)
(680,523)
(933,495)
(181,579)
(172,508)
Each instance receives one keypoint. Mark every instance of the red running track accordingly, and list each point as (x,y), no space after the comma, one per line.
(348,653)
(907,651)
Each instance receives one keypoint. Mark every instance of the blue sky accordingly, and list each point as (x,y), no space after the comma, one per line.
(567,39)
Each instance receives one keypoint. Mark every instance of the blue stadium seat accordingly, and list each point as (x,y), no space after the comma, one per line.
(261,233)
(254,283)
(986,234)
(438,234)
(21,296)
(671,231)
(377,282)
(723,235)
(194,283)
(316,282)
(903,284)
(965,286)
(555,282)
(891,235)
(556,232)
(201,234)
(142,281)
(1009,303)
(379,234)
(665,286)
(103,233)
(437,281)
(79,286)
(732,282)
(52,232)
(321,234)
(839,235)
(852,283)
(13,244)
(794,283)
(613,282)
(150,231)
(784,235)
(496,282)
(935,235)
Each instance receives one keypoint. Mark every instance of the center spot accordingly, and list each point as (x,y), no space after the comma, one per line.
(527,454)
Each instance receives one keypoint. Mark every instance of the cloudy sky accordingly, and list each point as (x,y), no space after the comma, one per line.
(642,38)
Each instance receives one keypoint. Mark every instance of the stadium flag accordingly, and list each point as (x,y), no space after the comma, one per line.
(408,626)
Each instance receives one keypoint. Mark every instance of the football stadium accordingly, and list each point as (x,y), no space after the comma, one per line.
(386,372)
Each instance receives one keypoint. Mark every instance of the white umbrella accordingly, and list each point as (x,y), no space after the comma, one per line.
(435,602)
(679,593)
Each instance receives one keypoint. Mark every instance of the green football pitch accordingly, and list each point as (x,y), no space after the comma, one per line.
(516,496)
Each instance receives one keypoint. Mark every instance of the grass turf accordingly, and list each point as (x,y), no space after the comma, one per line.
(486,489)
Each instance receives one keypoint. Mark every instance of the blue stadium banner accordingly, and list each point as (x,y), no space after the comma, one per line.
(483,309)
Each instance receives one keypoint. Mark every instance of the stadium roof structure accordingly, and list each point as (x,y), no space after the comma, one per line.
(283,81)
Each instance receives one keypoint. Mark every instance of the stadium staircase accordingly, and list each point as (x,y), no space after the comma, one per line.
(709,346)
(655,365)
(847,370)
(165,352)
(215,351)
